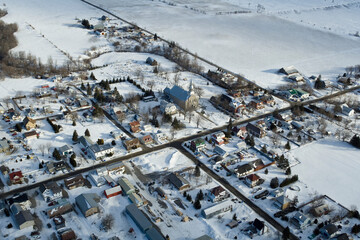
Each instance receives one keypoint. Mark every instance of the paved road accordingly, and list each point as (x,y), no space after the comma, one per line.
(234,191)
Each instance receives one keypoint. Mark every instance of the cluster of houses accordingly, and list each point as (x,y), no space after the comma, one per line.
(234,101)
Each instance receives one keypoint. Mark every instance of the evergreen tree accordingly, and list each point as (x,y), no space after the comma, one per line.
(92,76)
(197,204)
(56,154)
(100,141)
(287,145)
(288,171)
(197,171)
(88,90)
(200,196)
(234,217)
(229,128)
(75,136)
(87,133)
(188,197)
(74,123)
(72,160)
(355,141)
(266,171)
(252,141)
(83,86)
(274,183)
(286,233)
(263,149)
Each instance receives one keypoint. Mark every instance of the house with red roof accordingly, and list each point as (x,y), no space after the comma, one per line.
(16,177)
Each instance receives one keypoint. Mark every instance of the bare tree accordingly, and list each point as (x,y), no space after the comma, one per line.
(322,126)
(48,147)
(151,84)
(177,78)
(107,222)
(42,148)
(199,91)
(198,121)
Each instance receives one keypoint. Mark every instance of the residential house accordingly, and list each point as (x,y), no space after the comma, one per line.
(288,70)
(318,211)
(282,202)
(218,194)
(160,137)
(329,231)
(74,182)
(61,207)
(50,191)
(65,150)
(147,128)
(24,219)
(147,139)
(59,222)
(100,151)
(120,115)
(178,181)
(57,166)
(116,168)
(300,221)
(22,200)
(30,135)
(297,94)
(132,144)
(16,177)
(252,180)
(277,193)
(126,186)
(217,209)
(256,131)
(168,108)
(135,126)
(96,178)
(138,217)
(82,102)
(182,98)
(346,110)
(221,151)
(255,105)
(88,203)
(29,123)
(240,131)
(257,227)
(268,99)
(85,141)
(67,234)
(112,192)
(4,146)
(197,144)
(249,167)
(218,138)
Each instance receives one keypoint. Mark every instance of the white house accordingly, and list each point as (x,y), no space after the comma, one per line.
(96,178)
(217,209)
(99,151)
(217,194)
(51,191)
(147,128)
(168,108)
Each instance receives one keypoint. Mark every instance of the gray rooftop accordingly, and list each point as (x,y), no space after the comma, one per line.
(96,148)
(23,217)
(139,218)
(177,92)
(87,201)
(154,234)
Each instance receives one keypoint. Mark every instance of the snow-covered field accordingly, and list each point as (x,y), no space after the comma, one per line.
(331,167)
(255,45)
(48,27)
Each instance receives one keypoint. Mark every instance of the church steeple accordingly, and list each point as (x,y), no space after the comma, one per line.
(191,88)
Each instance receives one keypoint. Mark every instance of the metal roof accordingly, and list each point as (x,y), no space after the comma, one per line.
(139,218)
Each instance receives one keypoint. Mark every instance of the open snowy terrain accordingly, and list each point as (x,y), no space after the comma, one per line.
(331,167)
(255,45)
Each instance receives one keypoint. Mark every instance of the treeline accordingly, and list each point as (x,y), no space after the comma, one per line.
(16,64)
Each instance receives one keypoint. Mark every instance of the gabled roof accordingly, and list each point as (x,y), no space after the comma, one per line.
(330,229)
(18,199)
(23,217)
(17,174)
(178,93)
(216,191)
(177,180)
(53,186)
(64,148)
(96,148)
(139,217)
(259,225)
(253,177)
(301,218)
(87,201)
(283,200)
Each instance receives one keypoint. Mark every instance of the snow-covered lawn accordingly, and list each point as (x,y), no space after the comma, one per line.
(331,167)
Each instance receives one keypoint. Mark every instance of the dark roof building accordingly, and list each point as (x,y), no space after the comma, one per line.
(139,217)
(178,181)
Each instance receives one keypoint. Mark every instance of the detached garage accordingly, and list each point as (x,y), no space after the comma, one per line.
(111,192)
